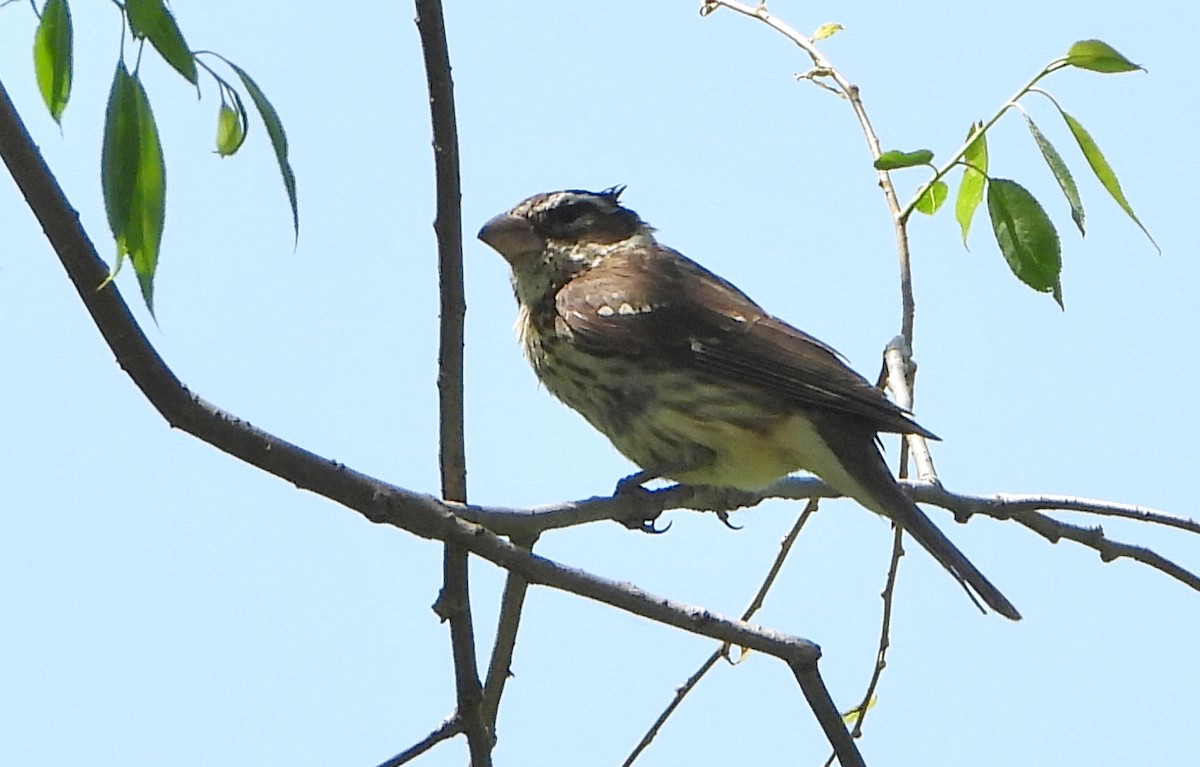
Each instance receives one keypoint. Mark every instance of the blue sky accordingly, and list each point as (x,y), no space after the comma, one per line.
(166,604)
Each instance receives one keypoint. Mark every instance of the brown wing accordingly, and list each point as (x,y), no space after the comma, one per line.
(658,303)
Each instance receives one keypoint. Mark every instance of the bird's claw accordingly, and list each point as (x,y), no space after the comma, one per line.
(724,517)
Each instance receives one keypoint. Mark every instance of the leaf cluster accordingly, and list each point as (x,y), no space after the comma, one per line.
(132,167)
(1026,236)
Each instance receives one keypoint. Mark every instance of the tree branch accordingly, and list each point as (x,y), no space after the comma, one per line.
(454,602)
(500,667)
(448,729)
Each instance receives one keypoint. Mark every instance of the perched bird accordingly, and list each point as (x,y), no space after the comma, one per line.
(687,376)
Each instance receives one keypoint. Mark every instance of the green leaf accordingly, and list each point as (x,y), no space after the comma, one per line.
(118,157)
(133,178)
(151,19)
(1061,174)
(53,59)
(894,159)
(278,138)
(854,714)
(826,30)
(231,131)
(1099,56)
(932,198)
(1026,236)
(970,189)
(1103,171)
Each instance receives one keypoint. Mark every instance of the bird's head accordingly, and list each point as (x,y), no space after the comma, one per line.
(549,238)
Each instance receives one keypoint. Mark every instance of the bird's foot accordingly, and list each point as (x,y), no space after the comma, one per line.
(645,516)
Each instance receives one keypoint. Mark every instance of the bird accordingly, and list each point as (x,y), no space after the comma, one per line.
(687,376)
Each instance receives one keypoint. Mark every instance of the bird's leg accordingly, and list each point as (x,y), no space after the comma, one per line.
(634,482)
(631,487)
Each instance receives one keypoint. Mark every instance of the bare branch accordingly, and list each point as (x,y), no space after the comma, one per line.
(885,628)
(1006,505)
(454,601)
(450,728)
(448,227)
(500,667)
(1054,530)
(827,714)
(681,692)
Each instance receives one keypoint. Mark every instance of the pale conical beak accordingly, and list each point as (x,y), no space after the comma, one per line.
(511,236)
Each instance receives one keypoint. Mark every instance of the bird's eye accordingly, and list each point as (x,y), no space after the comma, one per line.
(570,219)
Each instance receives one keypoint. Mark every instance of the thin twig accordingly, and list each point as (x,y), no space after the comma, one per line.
(450,728)
(826,68)
(885,627)
(500,668)
(1054,530)
(681,692)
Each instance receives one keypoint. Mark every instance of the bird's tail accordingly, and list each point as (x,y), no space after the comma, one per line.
(878,490)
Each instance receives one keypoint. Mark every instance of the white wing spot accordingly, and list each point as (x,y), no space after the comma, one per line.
(606,310)
(626,309)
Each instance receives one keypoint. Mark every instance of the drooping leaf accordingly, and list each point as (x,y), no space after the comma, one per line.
(894,159)
(133,178)
(1026,236)
(119,157)
(1099,56)
(152,20)
(932,198)
(970,189)
(231,131)
(53,56)
(1103,171)
(278,138)
(1061,174)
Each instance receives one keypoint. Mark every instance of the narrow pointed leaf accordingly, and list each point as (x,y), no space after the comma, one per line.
(932,198)
(278,138)
(970,189)
(151,19)
(53,57)
(133,178)
(231,131)
(1061,174)
(118,157)
(1026,236)
(1099,56)
(150,198)
(1103,171)
(894,159)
